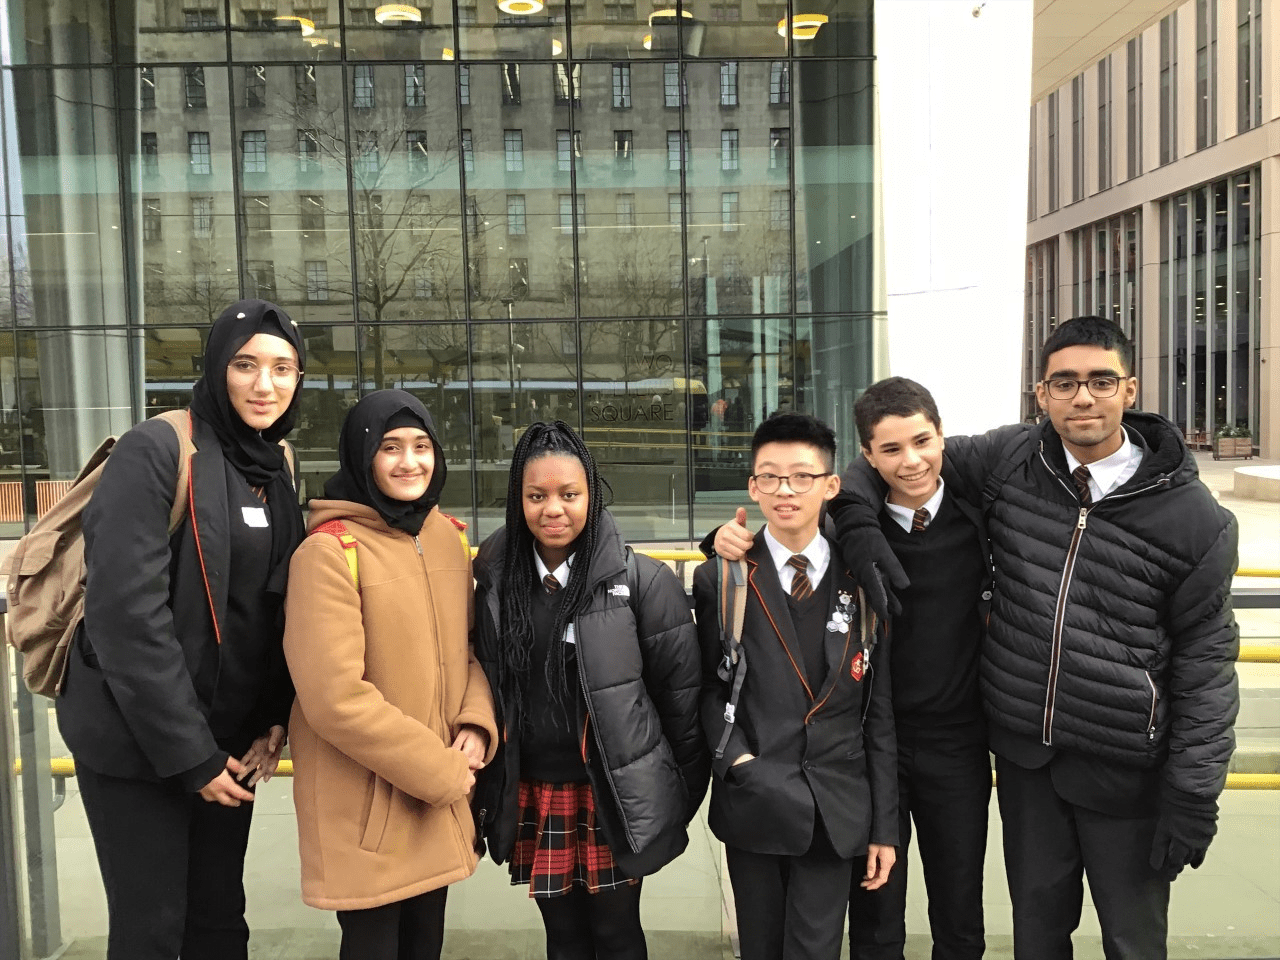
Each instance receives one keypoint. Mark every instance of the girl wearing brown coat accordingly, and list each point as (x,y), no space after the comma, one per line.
(393,714)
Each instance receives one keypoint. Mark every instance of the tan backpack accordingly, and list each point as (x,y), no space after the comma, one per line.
(46,569)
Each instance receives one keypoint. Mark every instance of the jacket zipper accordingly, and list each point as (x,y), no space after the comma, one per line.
(1060,610)
(1155,700)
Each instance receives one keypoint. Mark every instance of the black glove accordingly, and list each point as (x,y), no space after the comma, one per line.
(867,554)
(1183,832)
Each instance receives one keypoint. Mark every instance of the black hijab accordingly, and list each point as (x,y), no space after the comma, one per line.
(258,457)
(362,432)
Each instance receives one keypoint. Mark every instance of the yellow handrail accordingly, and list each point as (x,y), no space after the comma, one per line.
(1255,653)
(1257,572)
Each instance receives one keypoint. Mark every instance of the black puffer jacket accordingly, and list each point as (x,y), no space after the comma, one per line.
(638,665)
(1111,631)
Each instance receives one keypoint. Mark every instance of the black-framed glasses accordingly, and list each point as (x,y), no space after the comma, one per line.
(1064,388)
(798,482)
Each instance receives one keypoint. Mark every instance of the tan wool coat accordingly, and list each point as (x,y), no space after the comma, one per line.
(385,680)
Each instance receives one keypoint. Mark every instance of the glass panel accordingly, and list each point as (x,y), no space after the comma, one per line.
(847,32)
(525,30)
(835,190)
(428,39)
(65,196)
(292,158)
(521,373)
(265,31)
(172,32)
(639,405)
(408,224)
(43,32)
(1242,300)
(524,267)
(1218,301)
(718,28)
(1180,309)
(1198,344)
(429,361)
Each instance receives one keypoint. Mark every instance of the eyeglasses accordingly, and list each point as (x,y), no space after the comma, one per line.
(281,374)
(1064,388)
(798,482)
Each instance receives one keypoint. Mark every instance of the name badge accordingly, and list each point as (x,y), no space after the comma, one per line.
(568,634)
(255,516)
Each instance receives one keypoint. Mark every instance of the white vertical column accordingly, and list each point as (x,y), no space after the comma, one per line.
(954,90)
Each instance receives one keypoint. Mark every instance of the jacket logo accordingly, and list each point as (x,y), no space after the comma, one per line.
(857,666)
(619,590)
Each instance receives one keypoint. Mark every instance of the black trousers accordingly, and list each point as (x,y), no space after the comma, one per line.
(944,785)
(790,908)
(173,868)
(1050,844)
(411,929)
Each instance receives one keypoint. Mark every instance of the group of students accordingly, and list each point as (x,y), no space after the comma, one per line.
(555,702)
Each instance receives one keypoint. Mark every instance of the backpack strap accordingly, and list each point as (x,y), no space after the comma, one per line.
(731,594)
(462,531)
(336,528)
(182,425)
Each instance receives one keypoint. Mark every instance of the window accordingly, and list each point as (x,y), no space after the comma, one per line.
(622,86)
(674,209)
(779,210)
(515,215)
(253,145)
(513,149)
(464,82)
(259,19)
(675,91)
(152,224)
(468,153)
(624,210)
(193,87)
(317,280)
(362,86)
(368,162)
(729,83)
(510,84)
(311,213)
(1077,137)
(568,206)
(675,270)
(1206,73)
(729,212)
(779,148)
(422,287)
(623,156)
(518,278)
(1169,89)
(304,85)
(674,143)
(415,90)
(260,280)
(255,87)
(1104,123)
(779,83)
(147,88)
(466,12)
(369,210)
(728,149)
(1248,64)
(257,214)
(472,215)
(150,148)
(202,19)
(202,217)
(568,84)
(568,149)
(308,151)
(619,12)
(1133,107)
(416,143)
(726,12)
(198,151)
(1052,139)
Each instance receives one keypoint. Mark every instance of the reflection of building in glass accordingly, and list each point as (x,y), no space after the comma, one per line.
(1162,145)
(658,226)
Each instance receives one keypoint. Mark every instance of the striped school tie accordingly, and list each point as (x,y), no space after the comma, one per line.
(1081,476)
(551,583)
(919,520)
(801,588)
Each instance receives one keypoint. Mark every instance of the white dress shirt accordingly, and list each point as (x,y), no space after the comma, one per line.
(905,515)
(818,553)
(1109,472)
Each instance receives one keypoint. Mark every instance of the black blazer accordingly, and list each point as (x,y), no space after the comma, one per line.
(831,750)
(143,667)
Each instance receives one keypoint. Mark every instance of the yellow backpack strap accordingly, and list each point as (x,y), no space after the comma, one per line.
(462,531)
(336,528)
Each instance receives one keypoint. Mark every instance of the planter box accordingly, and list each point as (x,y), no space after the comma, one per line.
(1225,448)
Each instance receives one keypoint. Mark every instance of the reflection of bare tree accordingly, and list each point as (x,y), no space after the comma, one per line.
(645,282)
(201,296)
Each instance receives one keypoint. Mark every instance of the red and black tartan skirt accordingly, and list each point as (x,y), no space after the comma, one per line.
(558,842)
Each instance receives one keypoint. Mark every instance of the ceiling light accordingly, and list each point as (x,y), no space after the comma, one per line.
(397,13)
(446,53)
(520,8)
(557,47)
(308,27)
(647,42)
(668,14)
(804,26)
(317,41)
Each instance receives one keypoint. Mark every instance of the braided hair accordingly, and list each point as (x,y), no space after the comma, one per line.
(516,630)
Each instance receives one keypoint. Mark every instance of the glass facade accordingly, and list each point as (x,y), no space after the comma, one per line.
(659,226)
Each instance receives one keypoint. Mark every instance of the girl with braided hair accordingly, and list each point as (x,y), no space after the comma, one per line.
(595,670)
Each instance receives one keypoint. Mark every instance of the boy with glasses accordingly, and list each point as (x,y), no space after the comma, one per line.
(804,792)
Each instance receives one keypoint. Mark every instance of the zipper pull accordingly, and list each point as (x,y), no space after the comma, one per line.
(1084,514)
(417,543)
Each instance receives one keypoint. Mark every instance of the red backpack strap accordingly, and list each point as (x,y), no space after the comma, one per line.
(336,528)
(461,527)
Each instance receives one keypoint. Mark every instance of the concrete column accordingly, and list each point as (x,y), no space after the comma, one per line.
(955,89)
(1148,351)
(1269,359)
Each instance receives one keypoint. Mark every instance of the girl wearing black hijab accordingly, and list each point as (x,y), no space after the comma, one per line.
(393,714)
(176,692)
